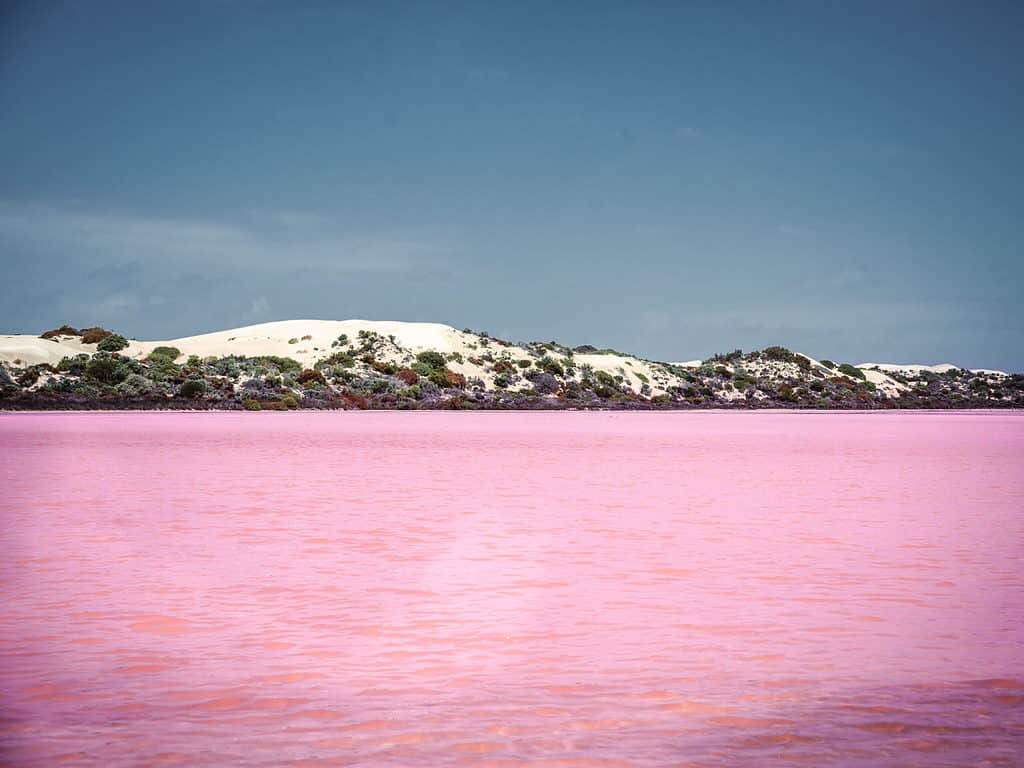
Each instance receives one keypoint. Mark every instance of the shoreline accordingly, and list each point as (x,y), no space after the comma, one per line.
(520,411)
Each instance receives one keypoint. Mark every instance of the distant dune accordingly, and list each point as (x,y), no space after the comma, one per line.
(365,357)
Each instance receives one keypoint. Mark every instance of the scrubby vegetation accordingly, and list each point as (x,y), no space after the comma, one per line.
(64,330)
(375,371)
(94,335)
(115,342)
(851,370)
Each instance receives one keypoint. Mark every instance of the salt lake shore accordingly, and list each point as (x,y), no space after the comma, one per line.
(361,364)
(395,589)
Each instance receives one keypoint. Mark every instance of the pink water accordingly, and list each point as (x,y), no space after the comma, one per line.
(500,589)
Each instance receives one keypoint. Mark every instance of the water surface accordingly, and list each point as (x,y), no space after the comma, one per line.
(502,589)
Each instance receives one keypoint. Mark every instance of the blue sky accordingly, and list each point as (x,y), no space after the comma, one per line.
(673,179)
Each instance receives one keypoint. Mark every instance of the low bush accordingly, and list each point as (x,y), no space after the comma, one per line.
(73,365)
(290,401)
(381,366)
(283,364)
(550,365)
(29,376)
(853,371)
(251,405)
(408,375)
(454,379)
(115,342)
(167,354)
(435,361)
(64,330)
(106,369)
(354,400)
(438,378)
(310,377)
(192,388)
(342,359)
(94,335)
(727,357)
(543,383)
(135,385)
(781,354)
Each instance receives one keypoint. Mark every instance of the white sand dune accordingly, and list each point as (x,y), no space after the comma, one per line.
(915,369)
(308,341)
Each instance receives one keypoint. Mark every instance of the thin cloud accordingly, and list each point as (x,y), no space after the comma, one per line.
(263,242)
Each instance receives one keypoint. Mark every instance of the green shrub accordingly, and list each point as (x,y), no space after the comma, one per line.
(435,361)
(550,365)
(283,364)
(192,388)
(381,366)
(252,405)
(74,365)
(439,378)
(726,357)
(135,385)
(168,354)
(853,371)
(106,369)
(742,377)
(778,353)
(290,401)
(524,363)
(343,359)
(229,366)
(788,394)
(115,342)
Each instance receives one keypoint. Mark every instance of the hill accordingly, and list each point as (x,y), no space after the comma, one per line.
(384,364)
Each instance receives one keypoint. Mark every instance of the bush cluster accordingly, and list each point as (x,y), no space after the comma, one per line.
(94,335)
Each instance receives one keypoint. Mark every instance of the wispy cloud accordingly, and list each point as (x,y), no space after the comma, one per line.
(257,241)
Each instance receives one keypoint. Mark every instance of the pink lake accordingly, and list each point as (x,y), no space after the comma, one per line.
(512,589)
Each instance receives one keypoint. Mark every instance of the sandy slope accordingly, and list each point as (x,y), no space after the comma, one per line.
(913,369)
(308,341)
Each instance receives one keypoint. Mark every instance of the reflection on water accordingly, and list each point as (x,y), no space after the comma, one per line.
(563,589)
